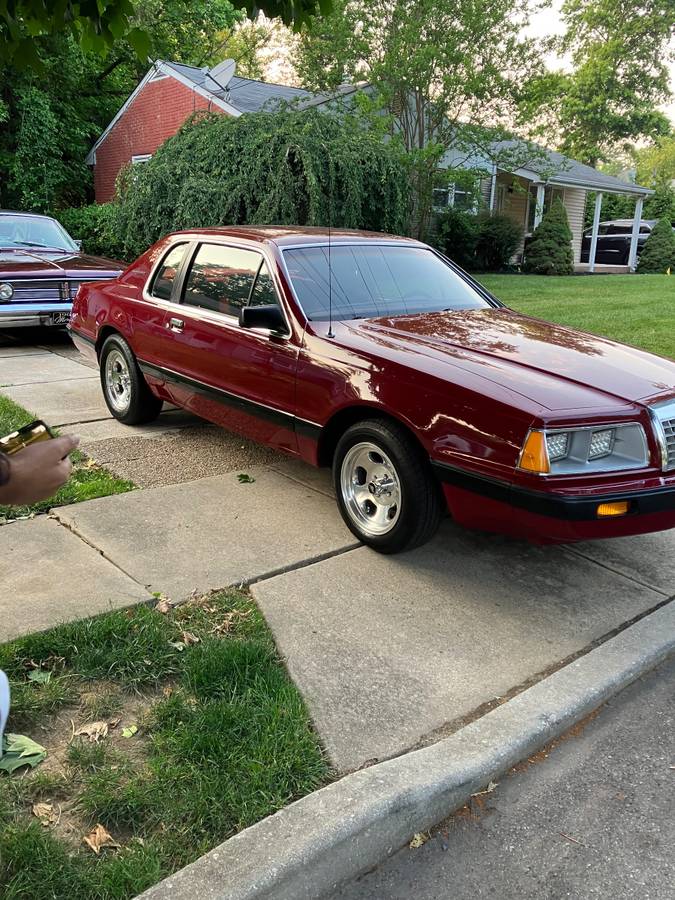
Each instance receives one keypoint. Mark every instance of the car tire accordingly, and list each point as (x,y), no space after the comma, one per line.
(125,391)
(387,494)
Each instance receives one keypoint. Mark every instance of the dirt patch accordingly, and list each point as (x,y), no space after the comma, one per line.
(59,780)
(184,455)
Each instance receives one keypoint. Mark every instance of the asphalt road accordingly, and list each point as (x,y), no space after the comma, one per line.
(594,818)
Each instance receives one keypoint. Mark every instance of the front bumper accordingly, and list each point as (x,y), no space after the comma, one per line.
(24,315)
(548,517)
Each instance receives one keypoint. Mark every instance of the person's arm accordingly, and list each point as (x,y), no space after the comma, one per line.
(36,472)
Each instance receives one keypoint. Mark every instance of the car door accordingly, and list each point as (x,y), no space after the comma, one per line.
(243,379)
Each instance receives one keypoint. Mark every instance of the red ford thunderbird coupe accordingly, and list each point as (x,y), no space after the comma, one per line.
(377,356)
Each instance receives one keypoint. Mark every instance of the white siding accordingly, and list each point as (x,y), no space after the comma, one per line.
(574,200)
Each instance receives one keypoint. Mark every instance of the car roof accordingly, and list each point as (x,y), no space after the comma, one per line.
(294,235)
(628,222)
(22,212)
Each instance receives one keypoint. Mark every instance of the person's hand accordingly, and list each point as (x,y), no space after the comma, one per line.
(38,471)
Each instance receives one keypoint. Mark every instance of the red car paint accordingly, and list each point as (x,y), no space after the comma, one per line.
(468,384)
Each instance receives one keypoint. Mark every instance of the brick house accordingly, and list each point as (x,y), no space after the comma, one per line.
(170,92)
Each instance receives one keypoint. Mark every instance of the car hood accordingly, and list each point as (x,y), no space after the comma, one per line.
(54,263)
(556,367)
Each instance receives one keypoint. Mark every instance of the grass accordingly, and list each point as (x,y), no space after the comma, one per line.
(88,480)
(223,740)
(635,309)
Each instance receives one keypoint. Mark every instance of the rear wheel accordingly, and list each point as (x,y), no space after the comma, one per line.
(385,489)
(125,391)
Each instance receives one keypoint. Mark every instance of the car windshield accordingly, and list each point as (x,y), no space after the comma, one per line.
(371,280)
(34,231)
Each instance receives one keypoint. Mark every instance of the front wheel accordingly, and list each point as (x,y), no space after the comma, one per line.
(125,391)
(385,489)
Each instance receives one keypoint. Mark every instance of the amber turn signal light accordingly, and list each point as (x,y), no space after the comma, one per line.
(534,455)
(619,508)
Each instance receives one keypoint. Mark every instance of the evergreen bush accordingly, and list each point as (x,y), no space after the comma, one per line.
(549,252)
(658,252)
(498,239)
(287,167)
(457,236)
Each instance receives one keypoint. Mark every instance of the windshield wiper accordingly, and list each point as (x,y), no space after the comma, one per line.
(36,244)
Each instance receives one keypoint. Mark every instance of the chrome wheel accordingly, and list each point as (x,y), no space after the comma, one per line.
(370,488)
(118,381)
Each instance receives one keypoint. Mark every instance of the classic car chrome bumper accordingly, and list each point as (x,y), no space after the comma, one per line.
(23,315)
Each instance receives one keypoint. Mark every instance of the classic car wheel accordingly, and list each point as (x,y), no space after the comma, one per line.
(126,394)
(385,489)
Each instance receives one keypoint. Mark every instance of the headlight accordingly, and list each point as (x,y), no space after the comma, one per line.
(6,291)
(577,451)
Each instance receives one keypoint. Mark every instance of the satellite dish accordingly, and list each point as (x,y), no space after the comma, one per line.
(222,72)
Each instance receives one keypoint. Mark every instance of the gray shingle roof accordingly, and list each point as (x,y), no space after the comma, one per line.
(559,169)
(245,94)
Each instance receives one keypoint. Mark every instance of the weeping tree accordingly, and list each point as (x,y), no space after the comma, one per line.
(288,167)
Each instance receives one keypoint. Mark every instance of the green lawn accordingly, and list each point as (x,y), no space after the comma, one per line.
(635,309)
(207,735)
(88,480)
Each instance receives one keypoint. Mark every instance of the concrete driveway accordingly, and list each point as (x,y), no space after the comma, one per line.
(389,652)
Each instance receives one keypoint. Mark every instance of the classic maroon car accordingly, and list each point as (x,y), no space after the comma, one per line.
(41,268)
(377,356)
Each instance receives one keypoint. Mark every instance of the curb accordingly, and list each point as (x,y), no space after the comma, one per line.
(310,848)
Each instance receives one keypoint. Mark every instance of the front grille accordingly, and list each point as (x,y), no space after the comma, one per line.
(31,291)
(664,421)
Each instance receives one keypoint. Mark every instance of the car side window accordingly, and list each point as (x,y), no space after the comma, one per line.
(264,293)
(221,278)
(162,284)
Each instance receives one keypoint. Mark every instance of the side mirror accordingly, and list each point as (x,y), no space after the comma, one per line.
(78,244)
(268,316)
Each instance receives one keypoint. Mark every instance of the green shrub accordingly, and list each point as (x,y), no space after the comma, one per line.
(95,226)
(658,253)
(498,239)
(457,236)
(288,167)
(550,250)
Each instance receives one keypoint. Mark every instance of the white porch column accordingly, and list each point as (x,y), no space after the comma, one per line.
(539,208)
(493,187)
(632,253)
(594,233)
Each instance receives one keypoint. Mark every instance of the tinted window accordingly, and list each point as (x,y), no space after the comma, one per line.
(620,229)
(221,278)
(166,274)
(264,292)
(370,280)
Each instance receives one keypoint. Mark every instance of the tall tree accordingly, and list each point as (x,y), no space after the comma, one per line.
(52,117)
(443,72)
(97,25)
(619,54)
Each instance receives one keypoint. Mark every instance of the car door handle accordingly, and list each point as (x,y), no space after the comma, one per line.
(176,325)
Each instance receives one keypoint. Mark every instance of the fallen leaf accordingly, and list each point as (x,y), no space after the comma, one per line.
(178,645)
(40,676)
(99,838)
(18,751)
(113,723)
(94,731)
(130,731)
(187,637)
(244,478)
(167,691)
(419,839)
(45,813)
(163,605)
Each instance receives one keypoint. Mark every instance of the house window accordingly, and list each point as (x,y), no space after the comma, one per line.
(454,196)
(140,158)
